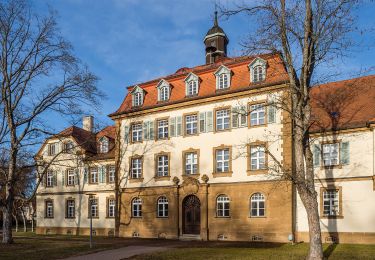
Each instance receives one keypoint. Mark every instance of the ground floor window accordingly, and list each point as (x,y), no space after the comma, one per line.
(257,205)
(162,207)
(111,208)
(137,207)
(331,202)
(94,207)
(222,206)
(49,209)
(70,208)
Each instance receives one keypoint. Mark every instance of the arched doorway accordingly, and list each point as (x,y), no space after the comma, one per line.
(191,210)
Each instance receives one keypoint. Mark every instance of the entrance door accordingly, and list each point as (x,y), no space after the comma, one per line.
(191,215)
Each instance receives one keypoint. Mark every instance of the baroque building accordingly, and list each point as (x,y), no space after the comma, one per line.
(206,154)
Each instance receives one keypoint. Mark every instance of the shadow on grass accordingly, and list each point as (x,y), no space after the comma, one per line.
(329,250)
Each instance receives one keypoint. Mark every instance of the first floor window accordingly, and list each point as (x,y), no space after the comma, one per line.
(162,207)
(257,202)
(163,129)
(331,203)
(136,133)
(137,207)
(136,168)
(49,209)
(70,208)
(330,154)
(50,178)
(257,157)
(111,208)
(222,160)
(94,207)
(111,173)
(222,119)
(222,206)
(94,175)
(257,115)
(70,177)
(163,165)
(191,124)
(191,163)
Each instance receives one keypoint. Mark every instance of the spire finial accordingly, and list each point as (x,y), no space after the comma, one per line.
(215,21)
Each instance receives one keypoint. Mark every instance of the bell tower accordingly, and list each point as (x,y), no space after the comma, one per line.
(216,42)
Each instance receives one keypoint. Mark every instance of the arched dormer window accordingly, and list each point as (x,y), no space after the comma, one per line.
(258,70)
(163,90)
(103,145)
(191,85)
(223,78)
(137,96)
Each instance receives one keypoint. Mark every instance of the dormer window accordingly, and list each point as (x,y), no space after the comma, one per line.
(137,96)
(163,90)
(223,78)
(103,145)
(68,146)
(258,70)
(191,85)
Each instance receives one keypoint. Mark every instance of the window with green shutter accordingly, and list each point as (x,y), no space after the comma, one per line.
(316,155)
(344,153)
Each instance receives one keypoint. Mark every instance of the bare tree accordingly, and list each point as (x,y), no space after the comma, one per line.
(308,34)
(39,76)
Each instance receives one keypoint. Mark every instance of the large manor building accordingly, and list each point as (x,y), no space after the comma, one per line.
(206,153)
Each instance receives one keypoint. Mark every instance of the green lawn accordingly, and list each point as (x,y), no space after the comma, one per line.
(272,251)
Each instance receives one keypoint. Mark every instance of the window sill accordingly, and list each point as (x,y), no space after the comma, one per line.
(136,217)
(260,217)
(222,90)
(93,217)
(110,217)
(219,217)
(222,174)
(188,135)
(162,139)
(223,130)
(255,126)
(135,180)
(49,217)
(191,96)
(162,178)
(162,217)
(332,217)
(93,183)
(136,142)
(327,167)
(256,172)
(70,218)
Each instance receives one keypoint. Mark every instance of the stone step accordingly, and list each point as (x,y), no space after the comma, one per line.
(190,237)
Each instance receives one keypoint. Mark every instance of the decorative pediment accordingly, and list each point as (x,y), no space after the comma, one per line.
(163,83)
(137,89)
(258,61)
(222,69)
(191,76)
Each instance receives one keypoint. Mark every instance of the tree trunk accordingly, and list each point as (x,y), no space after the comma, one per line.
(24,221)
(7,226)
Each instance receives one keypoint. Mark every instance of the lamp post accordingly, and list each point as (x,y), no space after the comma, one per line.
(91,195)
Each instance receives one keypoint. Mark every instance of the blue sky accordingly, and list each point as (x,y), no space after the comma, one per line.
(125,42)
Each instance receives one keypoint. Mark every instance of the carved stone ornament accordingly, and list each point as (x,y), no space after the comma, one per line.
(190,185)
(205,178)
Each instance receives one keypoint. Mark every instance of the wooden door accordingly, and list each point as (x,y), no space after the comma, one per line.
(191,215)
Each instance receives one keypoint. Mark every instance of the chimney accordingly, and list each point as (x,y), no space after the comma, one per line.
(88,123)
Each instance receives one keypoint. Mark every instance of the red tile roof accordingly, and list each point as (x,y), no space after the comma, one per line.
(343,104)
(240,80)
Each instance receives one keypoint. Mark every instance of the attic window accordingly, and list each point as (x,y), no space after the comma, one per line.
(191,85)
(103,145)
(68,146)
(137,99)
(258,70)
(223,77)
(137,96)
(163,90)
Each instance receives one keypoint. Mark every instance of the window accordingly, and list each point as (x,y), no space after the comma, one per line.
(331,203)
(222,206)
(137,99)
(164,93)
(49,209)
(111,208)
(257,157)
(162,129)
(222,160)
(70,209)
(162,207)
(94,175)
(330,154)
(258,70)
(94,207)
(103,145)
(162,165)
(258,74)
(137,207)
(191,124)
(136,133)
(192,88)
(50,178)
(68,147)
(257,202)
(136,168)
(223,81)
(111,173)
(191,163)
(222,119)
(52,149)
(257,115)
(70,177)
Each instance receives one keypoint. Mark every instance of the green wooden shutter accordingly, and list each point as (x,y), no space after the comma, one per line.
(179,126)
(151,130)
(172,126)
(209,119)
(62,178)
(85,174)
(344,153)
(76,177)
(126,133)
(100,173)
(271,114)
(316,155)
(104,172)
(235,116)
(146,131)
(243,116)
(202,122)
(55,178)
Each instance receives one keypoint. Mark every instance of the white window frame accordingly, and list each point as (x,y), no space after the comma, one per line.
(191,124)
(52,149)
(222,164)
(111,173)
(256,208)
(162,207)
(163,128)
(255,74)
(222,119)
(257,157)
(162,165)
(164,90)
(137,208)
(94,175)
(111,208)
(137,131)
(223,78)
(70,175)
(103,145)
(331,202)
(223,206)
(136,168)
(191,163)
(70,208)
(50,178)
(49,208)
(137,96)
(257,114)
(94,207)
(191,85)
(330,157)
